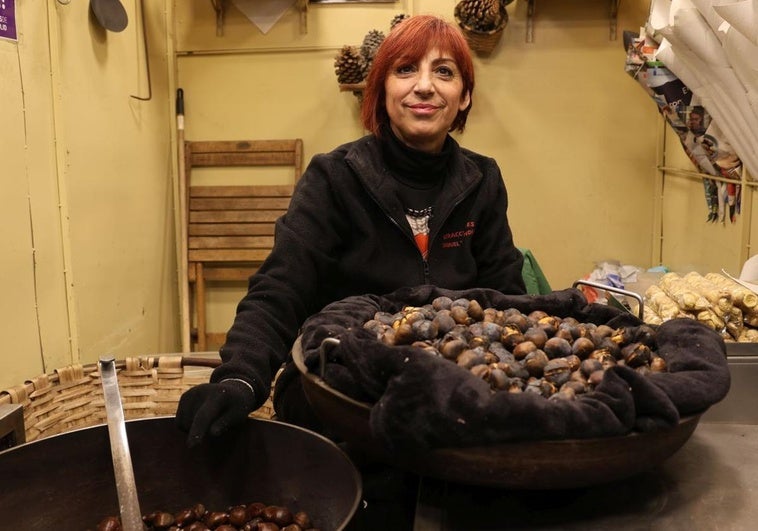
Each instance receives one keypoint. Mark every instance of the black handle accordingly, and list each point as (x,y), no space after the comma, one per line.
(179,101)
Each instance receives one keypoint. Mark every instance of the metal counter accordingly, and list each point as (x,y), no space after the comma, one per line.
(711,483)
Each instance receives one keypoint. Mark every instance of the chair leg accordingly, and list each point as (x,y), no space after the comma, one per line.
(192,300)
(202,337)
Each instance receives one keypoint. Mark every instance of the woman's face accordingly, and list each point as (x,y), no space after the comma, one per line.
(423,99)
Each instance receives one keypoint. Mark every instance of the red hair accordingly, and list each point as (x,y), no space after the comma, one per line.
(410,40)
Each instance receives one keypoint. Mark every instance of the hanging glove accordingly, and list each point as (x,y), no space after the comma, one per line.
(214,408)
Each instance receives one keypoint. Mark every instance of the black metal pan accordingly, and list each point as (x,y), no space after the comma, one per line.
(554,464)
(67,481)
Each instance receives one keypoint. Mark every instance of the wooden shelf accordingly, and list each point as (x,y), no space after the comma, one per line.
(352,87)
(220,6)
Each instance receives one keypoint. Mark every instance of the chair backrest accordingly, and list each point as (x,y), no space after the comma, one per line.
(236,223)
(246,153)
(230,228)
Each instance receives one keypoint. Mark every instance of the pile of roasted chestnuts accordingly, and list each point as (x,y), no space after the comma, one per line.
(558,358)
(255,516)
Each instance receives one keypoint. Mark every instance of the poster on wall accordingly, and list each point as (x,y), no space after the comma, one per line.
(8,20)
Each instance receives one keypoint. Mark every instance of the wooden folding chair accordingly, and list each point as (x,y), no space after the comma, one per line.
(230,228)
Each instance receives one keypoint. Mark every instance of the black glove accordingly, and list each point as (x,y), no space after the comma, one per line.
(213,409)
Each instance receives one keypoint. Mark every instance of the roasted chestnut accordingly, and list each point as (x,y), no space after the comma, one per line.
(536,335)
(470,357)
(582,346)
(573,361)
(557,371)
(424,330)
(460,315)
(535,362)
(596,377)
(564,393)
(481,371)
(511,336)
(404,334)
(442,303)
(302,519)
(498,378)
(451,347)
(238,515)
(216,518)
(557,347)
(589,366)
(475,310)
(521,350)
(658,364)
(518,320)
(111,523)
(637,354)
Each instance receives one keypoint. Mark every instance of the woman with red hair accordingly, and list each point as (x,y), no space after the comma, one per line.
(405,205)
(403,46)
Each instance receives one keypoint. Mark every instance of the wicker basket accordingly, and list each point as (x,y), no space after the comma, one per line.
(483,42)
(72,397)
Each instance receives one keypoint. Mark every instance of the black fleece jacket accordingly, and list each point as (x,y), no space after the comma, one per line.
(345,233)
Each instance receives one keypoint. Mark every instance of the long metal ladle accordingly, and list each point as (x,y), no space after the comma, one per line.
(131,517)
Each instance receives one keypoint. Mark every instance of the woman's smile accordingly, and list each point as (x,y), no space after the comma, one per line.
(423,109)
(424,98)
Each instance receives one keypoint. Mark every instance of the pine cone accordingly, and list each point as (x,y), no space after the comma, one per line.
(349,65)
(370,44)
(398,19)
(480,15)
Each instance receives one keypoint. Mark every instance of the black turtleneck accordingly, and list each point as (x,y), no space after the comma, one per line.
(418,179)
(419,175)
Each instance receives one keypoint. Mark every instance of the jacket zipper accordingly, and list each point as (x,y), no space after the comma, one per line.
(424,261)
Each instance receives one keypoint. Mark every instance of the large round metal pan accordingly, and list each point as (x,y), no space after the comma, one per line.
(67,481)
(531,465)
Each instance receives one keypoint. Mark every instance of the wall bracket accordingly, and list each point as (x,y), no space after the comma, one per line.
(612,18)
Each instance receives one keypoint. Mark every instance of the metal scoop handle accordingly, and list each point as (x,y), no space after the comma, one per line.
(613,289)
(131,517)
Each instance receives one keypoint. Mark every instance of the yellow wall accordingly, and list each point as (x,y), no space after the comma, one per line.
(89,173)
(574,134)
(117,171)
(87,177)
(17,282)
(688,242)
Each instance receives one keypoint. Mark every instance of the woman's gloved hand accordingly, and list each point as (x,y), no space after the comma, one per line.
(214,408)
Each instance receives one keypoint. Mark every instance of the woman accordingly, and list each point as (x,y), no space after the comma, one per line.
(403,206)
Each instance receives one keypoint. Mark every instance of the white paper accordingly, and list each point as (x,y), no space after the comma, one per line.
(264,13)
(749,274)
(743,16)
(749,285)
(709,14)
(719,91)
(743,56)
(659,14)
(710,45)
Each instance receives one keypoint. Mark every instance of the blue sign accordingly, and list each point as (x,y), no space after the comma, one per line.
(8,19)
